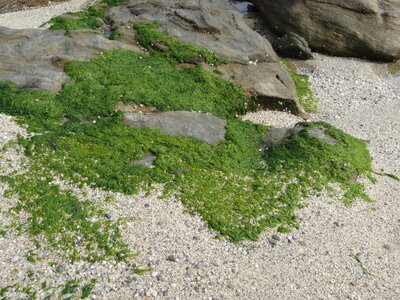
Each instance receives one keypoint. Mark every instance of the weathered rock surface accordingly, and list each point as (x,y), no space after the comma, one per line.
(293,46)
(33,58)
(275,136)
(360,28)
(181,123)
(253,62)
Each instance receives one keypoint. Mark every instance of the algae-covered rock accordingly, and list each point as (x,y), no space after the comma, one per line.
(275,136)
(32,58)
(316,154)
(252,60)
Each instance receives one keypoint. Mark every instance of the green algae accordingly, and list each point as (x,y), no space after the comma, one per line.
(148,37)
(86,19)
(303,88)
(235,187)
(72,289)
(61,220)
(125,76)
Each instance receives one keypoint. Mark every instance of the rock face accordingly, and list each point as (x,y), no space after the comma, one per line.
(275,136)
(32,58)
(293,46)
(360,28)
(181,123)
(252,60)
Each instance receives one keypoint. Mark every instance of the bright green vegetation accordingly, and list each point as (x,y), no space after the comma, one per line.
(312,162)
(139,271)
(235,187)
(303,89)
(59,218)
(72,289)
(83,19)
(148,36)
(128,77)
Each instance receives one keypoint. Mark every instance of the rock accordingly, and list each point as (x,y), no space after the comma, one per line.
(198,265)
(359,28)
(275,136)
(388,247)
(273,241)
(154,274)
(172,258)
(209,24)
(181,123)
(32,58)
(146,161)
(276,237)
(60,269)
(293,45)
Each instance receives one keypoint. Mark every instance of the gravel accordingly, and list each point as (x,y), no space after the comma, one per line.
(319,263)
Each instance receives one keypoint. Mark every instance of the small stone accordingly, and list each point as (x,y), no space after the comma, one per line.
(60,269)
(276,237)
(165,292)
(358,254)
(154,274)
(273,241)
(387,247)
(303,243)
(172,258)
(198,265)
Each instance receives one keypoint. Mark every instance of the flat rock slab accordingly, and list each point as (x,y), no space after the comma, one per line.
(181,123)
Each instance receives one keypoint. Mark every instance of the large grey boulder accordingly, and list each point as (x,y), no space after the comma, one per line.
(360,28)
(32,58)
(181,123)
(252,60)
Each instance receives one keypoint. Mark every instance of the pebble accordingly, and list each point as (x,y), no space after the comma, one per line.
(273,241)
(172,258)
(198,265)
(276,237)
(388,247)
(154,274)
